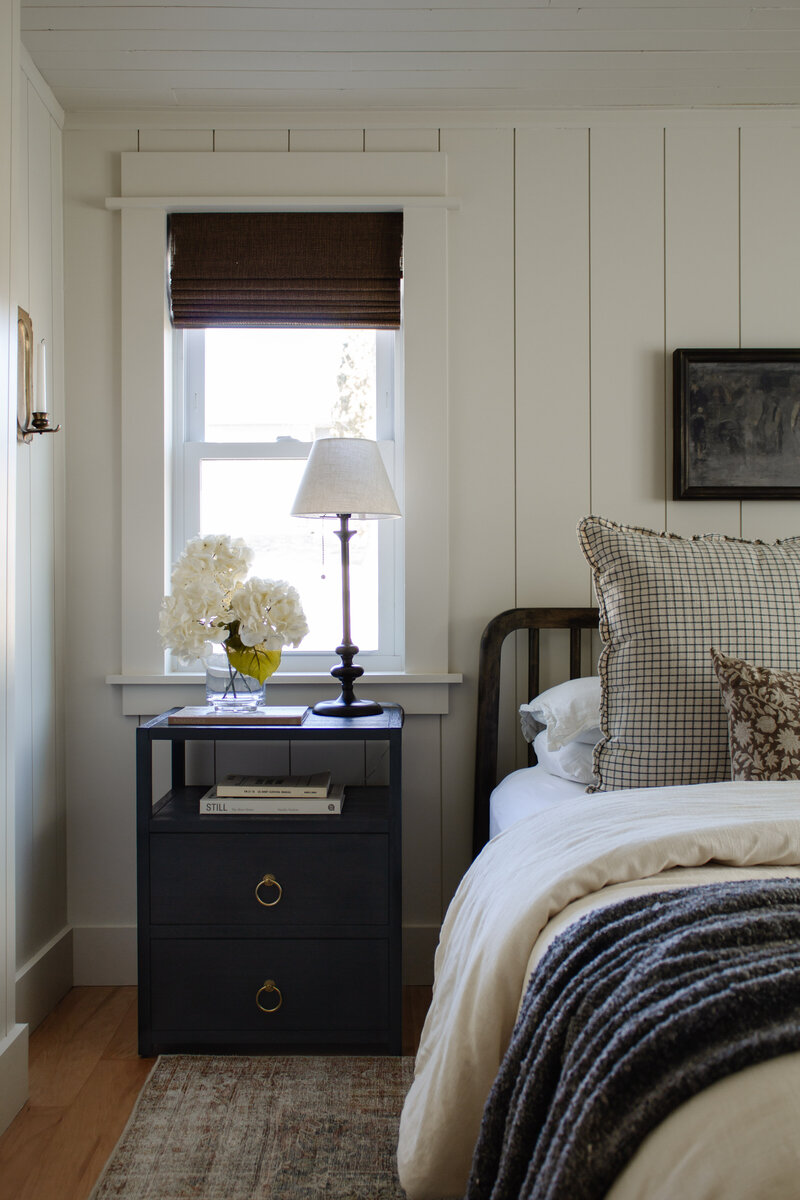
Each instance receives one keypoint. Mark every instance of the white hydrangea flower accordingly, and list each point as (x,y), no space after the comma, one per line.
(269,613)
(212,601)
(181,631)
(287,616)
(219,557)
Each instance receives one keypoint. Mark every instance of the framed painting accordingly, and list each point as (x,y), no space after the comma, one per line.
(736,432)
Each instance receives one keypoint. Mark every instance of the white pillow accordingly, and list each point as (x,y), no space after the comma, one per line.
(573,761)
(569,712)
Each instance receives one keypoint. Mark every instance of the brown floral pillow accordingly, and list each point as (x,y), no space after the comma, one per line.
(763,707)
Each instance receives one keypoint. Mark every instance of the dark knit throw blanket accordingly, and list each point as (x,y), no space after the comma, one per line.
(634,1009)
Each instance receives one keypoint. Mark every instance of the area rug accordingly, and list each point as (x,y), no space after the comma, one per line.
(210,1127)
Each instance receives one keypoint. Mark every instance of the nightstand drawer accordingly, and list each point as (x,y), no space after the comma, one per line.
(217,879)
(312,985)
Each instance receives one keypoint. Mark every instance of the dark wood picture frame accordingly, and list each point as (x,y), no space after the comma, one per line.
(736,433)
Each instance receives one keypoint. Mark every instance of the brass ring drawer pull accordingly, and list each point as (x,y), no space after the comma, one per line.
(269,986)
(268,881)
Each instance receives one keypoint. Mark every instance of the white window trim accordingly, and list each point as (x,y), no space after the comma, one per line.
(146,359)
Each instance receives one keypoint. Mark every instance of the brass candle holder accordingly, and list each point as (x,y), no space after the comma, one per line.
(30,419)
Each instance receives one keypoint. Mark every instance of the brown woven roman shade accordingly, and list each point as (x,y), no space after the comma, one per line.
(281,269)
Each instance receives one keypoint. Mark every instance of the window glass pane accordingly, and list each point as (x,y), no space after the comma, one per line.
(262,384)
(251,499)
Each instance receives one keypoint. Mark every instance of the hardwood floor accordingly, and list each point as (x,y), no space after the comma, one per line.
(85,1075)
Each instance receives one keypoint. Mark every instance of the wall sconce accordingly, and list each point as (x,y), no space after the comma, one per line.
(32,414)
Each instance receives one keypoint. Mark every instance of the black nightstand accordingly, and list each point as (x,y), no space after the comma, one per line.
(309,958)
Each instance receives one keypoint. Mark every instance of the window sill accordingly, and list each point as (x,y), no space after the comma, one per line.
(419,694)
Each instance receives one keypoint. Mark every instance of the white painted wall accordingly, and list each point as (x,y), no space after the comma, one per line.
(585,248)
(35,947)
(43,938)
(13,1034)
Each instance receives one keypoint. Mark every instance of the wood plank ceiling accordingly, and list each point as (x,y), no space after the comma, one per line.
(413,54)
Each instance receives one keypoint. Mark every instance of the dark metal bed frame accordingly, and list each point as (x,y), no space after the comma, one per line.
(577,621)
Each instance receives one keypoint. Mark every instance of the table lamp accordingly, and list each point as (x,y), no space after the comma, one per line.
(345,478)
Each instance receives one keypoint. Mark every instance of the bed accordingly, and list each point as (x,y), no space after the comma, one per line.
(590,858)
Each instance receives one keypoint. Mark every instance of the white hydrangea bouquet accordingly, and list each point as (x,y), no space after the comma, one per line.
(212,602)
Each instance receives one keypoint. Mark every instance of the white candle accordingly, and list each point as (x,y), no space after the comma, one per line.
(40,391)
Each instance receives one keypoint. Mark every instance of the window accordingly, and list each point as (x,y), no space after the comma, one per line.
(248,405)
(147,352)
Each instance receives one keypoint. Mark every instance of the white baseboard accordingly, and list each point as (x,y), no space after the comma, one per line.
(44,979)
(13,1074)
(419,947)
(106,954)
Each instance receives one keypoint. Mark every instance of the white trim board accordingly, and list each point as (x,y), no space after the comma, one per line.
(13,1073)
(429,118)
(418,695)
(104,956)
(278,174)
(271,204)
(44,979)
(146,377)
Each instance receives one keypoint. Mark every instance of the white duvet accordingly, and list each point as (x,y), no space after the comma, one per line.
(549,868)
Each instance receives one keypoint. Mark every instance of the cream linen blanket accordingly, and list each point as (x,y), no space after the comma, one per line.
(525,877)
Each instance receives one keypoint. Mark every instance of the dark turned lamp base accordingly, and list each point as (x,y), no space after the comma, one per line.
(346,705)
(340,708)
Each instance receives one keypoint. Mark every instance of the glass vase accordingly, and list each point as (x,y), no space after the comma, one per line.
(228,690)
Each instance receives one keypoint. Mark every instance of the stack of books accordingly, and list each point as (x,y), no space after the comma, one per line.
(287,795)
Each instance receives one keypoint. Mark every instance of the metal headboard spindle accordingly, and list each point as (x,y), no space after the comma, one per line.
(577,621)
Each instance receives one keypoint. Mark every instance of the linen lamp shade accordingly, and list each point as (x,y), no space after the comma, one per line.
(345,475)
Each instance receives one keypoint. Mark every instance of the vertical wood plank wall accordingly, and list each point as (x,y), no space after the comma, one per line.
(701,285)
(481,442)
(585,249)
(626,261)
(770,266)
(35,944)
(43,940)
(553,394)
(13,1041)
